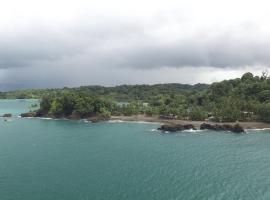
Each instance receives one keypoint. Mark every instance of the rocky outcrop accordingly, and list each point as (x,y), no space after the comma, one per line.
(223,127)
(36,113)
(29,114)
(7,115)
(236,128)
(176,127)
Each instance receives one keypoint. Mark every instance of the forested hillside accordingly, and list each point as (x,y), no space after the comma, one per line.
(119,93)
(243,99)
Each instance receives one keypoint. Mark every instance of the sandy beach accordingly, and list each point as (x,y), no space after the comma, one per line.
(245,125)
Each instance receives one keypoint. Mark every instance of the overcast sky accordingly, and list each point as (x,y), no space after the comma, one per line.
(56,43)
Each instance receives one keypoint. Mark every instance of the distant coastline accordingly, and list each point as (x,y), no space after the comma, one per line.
(244,101)
(156,119)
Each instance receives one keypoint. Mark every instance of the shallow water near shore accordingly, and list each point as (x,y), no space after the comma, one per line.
(16,106)
(60,159)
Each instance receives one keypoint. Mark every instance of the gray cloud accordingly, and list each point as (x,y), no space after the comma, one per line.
(110,45)
(127,45)
(24,50)
(217,52)
(44,44)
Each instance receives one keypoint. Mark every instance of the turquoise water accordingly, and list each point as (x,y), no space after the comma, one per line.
(16,106)
(71,160)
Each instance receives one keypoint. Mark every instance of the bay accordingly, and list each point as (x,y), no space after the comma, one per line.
(43,159)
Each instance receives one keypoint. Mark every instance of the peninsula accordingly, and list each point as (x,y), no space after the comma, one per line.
(244,100)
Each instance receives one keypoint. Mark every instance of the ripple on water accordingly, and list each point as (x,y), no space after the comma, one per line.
(48,159)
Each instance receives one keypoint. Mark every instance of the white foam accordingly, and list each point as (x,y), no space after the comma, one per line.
(258,129)
(192,131)
(116,121)
(46,118)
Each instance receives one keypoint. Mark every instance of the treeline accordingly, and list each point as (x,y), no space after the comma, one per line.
(242,99)
(122,93)
(76,106)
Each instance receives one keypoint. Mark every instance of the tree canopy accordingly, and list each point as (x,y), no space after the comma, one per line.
(241,99)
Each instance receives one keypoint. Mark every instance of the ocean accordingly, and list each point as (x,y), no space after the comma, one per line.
(44,159)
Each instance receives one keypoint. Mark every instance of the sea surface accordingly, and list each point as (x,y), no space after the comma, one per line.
(43,159)
(17,106)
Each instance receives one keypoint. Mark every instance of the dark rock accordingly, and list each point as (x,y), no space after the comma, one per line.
(176,127)
(170,128)
(223,127)
(206,126)
(36,113)
(40,113)
(238,129)
(29,114)
(7,115)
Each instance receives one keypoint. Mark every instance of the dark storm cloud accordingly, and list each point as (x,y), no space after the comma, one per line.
(127,45)
(218,52)
(23,51)
(65,43)
(39,45)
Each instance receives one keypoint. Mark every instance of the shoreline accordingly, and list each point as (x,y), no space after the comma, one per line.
(156,119)
(143,118)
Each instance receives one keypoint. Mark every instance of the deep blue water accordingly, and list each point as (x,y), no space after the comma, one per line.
(69,160)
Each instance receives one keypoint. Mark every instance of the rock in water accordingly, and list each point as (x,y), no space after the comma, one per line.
(223,127)
(29,114)
(7,115)
(176,127)
(238,129)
